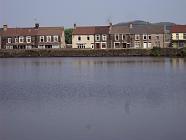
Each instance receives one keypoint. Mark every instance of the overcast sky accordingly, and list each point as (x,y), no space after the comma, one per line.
(19,13)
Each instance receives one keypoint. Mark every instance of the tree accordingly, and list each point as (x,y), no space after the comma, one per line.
(68,36)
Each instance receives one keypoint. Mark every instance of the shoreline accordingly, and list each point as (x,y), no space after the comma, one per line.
(155,52)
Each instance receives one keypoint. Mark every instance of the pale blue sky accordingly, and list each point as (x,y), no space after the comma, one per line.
(19,13)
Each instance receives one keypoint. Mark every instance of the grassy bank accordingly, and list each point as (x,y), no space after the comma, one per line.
(168,52)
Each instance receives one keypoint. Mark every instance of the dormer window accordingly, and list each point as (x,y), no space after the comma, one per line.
(28,39)
(9,40)
(97,37)
(55,38)
(117,37)
(42,39)
(21,39)
(49,39)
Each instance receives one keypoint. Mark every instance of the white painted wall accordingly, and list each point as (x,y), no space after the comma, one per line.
(88,43)
(55,46)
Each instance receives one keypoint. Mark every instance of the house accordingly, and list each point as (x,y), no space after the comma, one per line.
(178,36)
(90,37)
(120,37)
(148,36)
(34,37)
(137,36)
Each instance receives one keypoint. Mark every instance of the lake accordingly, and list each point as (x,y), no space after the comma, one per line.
(111,98)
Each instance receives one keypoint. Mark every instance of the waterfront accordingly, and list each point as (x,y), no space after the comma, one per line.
(113,98)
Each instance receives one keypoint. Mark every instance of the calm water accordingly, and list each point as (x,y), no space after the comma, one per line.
(93,99)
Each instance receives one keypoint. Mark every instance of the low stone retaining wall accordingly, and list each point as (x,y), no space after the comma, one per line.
(167,52)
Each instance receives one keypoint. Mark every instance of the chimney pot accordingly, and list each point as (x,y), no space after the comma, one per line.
(37,25)
(75,25)
(5,27)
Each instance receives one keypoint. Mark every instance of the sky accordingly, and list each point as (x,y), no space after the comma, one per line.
(25,13)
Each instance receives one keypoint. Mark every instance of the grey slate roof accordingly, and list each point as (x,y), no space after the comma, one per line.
(138,29)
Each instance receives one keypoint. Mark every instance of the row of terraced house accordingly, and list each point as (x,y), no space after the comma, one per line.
(94,37)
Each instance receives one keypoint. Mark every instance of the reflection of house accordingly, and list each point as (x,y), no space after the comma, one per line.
(91,37)
(138,36)
(178,36)
(28,38)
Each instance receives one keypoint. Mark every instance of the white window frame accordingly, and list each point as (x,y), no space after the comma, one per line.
(9,40)
(157,37)
(102,45)
(97,38)
(104,37)
(137,44)
(16,40)
(177,36)
(42,38)
(184,36)
(28,39)
(21,39)
(149,37)
(49,39)
(137,37)
(56,38)
(115,44)
(117,35)
(123,36)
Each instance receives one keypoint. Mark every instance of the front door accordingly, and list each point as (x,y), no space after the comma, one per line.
(98,46)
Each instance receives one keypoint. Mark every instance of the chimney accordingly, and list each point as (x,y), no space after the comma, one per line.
(131,26)
(75,25)
(37,26)
(5,27)
(110,26)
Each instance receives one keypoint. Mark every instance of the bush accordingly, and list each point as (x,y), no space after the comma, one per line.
(155,51)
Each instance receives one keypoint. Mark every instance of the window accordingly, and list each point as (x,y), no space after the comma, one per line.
(55,38)
(16,40)
(79,38)
(21,39)
(104,45)
(149,37)
(104,37)
(117,37)
(144,37)
(28,39)
(177,36)
(88,38)
(117,45)
(157,37)
(81,46)
(49,39)
(184,36)
(123,37)
(97,37)
(137,44)
(9,40)
(137,37)
(42,38)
